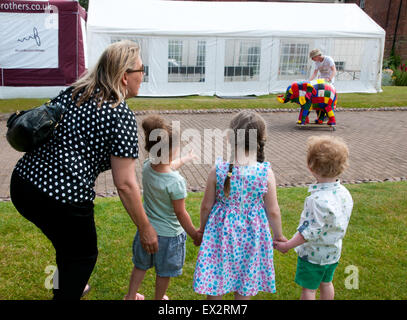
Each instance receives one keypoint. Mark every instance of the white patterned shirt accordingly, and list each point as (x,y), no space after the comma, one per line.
(323,222)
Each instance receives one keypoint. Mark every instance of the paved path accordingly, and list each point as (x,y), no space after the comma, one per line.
(377,141)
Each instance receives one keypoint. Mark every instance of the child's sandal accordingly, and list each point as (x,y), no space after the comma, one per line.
(139,296)
(86,290)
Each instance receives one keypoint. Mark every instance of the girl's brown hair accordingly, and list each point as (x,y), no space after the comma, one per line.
(168,139)
(247,121)
(107,74)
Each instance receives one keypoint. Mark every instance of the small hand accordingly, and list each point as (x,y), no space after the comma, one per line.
(280,239)
(190,157)
(281,246)
(198,239)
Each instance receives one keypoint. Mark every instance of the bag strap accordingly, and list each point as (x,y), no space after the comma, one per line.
(65,91)
(58,106)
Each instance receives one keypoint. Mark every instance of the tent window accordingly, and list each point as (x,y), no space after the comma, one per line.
(347,54)
(186,60)
(253,59)
(174,53)
(200,59)
(293,60)
(242,60)
(143,43)
(340,65)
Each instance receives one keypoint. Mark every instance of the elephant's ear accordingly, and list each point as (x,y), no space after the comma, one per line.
(303,100)
(310,91)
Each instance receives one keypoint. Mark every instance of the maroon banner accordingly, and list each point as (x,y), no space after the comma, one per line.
(71,55)
(17,6)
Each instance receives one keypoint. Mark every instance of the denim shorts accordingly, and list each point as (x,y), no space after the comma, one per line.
(168,260)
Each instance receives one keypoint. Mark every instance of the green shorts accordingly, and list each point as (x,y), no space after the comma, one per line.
(310,275)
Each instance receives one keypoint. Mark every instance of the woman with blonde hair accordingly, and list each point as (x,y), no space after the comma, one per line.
(53,186)
(324,65)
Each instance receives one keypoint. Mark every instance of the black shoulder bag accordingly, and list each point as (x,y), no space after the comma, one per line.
(32,128)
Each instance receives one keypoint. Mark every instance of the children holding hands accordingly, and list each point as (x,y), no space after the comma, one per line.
(164,192)
(238,210)
(323,221)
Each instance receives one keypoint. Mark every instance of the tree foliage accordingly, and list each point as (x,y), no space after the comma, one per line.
(84,4)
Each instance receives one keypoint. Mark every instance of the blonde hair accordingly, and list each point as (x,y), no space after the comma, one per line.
(315,53)
(327,156)
(246,120)
(107,74)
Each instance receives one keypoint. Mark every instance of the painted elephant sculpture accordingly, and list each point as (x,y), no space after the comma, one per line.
(316,95)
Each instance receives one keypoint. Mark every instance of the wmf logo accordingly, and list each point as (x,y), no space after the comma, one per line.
(50,22)
(52,280)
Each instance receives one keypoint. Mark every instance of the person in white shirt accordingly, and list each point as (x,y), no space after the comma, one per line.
(325,65)
(323,221)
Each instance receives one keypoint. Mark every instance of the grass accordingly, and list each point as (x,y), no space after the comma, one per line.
(390,97)
(375,243)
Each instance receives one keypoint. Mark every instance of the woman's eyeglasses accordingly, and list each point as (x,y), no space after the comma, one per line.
(138,70)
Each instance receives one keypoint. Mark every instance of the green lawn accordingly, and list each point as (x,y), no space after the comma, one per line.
(390,97)
(375,243)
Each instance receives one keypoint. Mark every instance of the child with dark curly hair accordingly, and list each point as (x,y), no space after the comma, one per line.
(164,191)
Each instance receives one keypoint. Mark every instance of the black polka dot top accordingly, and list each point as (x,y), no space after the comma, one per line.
(66,167)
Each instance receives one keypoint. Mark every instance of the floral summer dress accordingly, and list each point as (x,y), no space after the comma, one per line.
(236,254)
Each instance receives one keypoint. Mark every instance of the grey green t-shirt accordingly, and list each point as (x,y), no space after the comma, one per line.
(159,189)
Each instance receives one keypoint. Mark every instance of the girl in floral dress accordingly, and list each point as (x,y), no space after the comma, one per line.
(239,206)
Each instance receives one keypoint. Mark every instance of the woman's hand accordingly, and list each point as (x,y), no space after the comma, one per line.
(124,178)
(148,238)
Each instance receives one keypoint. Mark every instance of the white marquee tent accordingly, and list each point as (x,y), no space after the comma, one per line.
(239,48)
